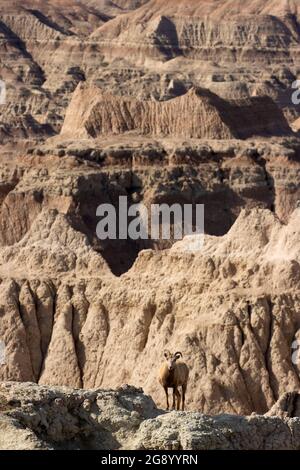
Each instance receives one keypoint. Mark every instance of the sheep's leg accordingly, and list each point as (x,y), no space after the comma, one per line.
(174,395)
(183,395)
(178,399)
(167,396)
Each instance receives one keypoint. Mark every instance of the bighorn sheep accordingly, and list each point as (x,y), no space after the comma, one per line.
(173,374)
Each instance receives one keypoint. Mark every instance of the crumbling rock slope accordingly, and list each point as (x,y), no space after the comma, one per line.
(198,114)
(33,417)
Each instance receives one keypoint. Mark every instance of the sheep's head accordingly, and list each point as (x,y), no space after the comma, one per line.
(171,358)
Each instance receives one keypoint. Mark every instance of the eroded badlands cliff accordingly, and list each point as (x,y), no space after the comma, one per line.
(162,102)
(198,114)
(233,309)
(145,49)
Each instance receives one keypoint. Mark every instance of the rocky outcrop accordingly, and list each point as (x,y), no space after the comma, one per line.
(193,431)
(199,114)
(33,417)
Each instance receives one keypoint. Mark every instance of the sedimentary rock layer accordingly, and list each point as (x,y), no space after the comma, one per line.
(199,114)
(47,48)
(229,31)
(225,176)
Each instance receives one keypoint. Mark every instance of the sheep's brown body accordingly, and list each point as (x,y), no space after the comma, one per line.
(173,374)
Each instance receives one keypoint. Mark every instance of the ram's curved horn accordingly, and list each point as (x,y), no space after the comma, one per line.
(178,354)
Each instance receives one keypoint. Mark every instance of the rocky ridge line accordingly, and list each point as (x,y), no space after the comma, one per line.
(198,114)
(33,417)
